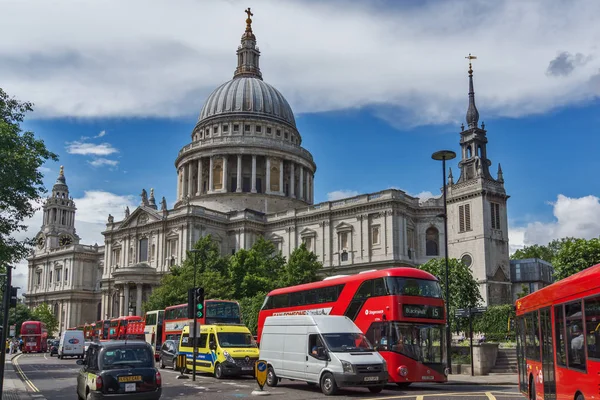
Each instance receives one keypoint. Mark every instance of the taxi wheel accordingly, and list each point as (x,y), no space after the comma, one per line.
(161,364)
(375,389)
(272,379)
(328,385)
(219,371)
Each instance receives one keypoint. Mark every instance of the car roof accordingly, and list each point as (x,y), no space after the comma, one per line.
(121,343)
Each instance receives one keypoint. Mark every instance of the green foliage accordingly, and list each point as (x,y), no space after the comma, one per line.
(535,251)
(250,307)
(575,255)
(494,322)
(524,292)
(21,185)
(301,268)
(16,317)
(44,313)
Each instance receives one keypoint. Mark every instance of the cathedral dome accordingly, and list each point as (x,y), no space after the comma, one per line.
(247,96)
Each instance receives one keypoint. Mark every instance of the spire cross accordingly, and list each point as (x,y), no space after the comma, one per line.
(249,20)
(470,57)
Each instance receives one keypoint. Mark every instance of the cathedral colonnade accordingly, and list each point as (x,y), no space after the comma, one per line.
(125,299)
(245,173)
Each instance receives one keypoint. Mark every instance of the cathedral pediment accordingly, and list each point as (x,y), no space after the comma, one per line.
(307,232)
(343,226)
(141,216)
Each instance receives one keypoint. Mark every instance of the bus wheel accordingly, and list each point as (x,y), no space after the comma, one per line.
(219,371)
(272,380)
(531,389)
(328,385)
(579,397)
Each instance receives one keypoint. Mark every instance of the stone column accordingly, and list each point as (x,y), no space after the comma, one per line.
(310,188)
(190,180)
(199,192)
(138,300)
(225,173)
(253,173)
(184,182)
(178,183)
(239,174)
(281,177)
(268,187)
(126,300)
(210,175)
(122,302)
(301,189)
(292,180)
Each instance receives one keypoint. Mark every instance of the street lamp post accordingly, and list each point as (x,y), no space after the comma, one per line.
(195,350)
(444,155)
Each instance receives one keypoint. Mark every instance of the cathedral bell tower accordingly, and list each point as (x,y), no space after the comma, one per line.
(477,216)
(58,223)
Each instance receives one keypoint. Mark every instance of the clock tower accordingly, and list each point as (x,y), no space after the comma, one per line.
(58,224)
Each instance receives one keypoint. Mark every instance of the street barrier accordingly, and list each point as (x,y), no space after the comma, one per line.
(260,371)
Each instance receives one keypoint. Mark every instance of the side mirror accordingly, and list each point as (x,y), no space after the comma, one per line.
(79,362)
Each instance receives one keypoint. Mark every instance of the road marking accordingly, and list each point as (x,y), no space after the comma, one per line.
(419,398)
(45,356)
(23,376)
(490,396)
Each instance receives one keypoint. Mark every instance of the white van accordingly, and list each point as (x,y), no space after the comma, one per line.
(71,344)
(325,350)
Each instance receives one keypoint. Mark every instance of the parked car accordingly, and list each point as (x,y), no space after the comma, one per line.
(119,370)
(168,353)
(53,347)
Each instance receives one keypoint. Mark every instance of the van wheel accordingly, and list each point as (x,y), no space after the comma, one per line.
(272,379)
(375,389)
(219,371)
(328,385)
(311,384)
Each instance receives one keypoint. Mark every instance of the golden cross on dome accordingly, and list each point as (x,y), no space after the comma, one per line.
(470,57)
(248,20)
(62,171)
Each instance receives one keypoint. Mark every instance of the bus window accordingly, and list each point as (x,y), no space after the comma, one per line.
(559,318)
(592,329)
(532,339)
(575,350)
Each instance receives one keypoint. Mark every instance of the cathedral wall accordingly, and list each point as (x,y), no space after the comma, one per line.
(226,202)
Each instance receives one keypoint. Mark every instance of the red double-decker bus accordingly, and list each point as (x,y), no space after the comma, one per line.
(400,310)
(558,338)
(35,337)
(102,329)
(215,312)
(118,326)
(88,331)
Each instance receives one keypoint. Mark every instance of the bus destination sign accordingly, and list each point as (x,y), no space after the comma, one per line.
(422,311)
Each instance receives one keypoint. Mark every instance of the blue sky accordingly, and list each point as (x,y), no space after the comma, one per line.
(376,88)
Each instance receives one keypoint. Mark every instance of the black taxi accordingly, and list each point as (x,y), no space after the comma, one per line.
(119,370)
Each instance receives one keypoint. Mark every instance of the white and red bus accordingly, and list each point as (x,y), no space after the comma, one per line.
(215,312)
(400,310)
(558,338)
(35,337)
(118,326)
(153,331)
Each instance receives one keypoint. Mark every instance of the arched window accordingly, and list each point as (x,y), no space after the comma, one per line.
(479,150)
(469,151)
(432,240)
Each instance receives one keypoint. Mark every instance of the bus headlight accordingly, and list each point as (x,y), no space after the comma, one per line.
(402,370)
(228,357)
(348,368)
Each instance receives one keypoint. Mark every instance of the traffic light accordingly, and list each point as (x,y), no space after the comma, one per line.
(13,296)
(190,307)
(199,302)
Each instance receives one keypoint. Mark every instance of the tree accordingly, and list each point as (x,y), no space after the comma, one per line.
(18,316)
(535,251)
(575,255)
(464,290)
(250,307)
(44,313)
(211,273)
(21,185)
(494,322)
(301,268)
(524,292)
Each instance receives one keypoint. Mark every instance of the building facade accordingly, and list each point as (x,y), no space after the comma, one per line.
(245,174)
(63,273)
(529,275)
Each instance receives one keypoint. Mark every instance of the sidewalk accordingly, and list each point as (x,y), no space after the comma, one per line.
(14,388)
(490,379)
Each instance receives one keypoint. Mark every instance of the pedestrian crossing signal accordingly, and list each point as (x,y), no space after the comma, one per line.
(199,302)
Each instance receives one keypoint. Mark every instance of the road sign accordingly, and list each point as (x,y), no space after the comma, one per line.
(260,370)
(12,331)
(464,312)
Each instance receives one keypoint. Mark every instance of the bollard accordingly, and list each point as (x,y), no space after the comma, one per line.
(260,372)
(181,363)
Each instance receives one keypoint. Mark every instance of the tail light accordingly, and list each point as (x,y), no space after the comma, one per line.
(402,370)
(158,379)
(99,383)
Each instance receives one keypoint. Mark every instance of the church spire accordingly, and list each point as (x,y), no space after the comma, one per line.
(472,113)
(248,54)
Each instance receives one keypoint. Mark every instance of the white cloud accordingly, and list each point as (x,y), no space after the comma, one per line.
(153,61)
(44,170)
(574,217)
(82,148)
(101,134)
(341,194)
(91,217)
(99,162)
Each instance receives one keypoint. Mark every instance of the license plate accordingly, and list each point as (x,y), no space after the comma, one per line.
(133,378)
(130,387)
(371,378)
(427,378)
(67,348)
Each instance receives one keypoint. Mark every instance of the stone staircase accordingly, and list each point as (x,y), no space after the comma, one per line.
(506,361)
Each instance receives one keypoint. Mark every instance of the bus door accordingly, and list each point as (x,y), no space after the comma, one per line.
(547,354)
(522,364)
